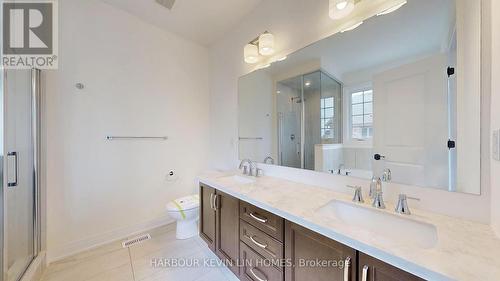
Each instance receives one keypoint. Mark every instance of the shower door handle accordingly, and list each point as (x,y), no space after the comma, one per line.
(12,169)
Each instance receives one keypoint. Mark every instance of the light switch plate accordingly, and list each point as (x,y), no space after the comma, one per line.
(496,145)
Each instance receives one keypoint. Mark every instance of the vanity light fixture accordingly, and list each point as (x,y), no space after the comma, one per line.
(339,9)
(352,27)
(251,53)
(392,9)
(266,44)
(260,46)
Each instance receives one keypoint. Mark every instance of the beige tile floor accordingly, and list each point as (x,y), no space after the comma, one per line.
(113,263)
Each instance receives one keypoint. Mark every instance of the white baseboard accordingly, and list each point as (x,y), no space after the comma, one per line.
(36,268)
(104,238)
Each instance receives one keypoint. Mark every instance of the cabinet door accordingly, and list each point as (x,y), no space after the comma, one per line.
(372,269)
(207,215)
(317,258)
(228,231)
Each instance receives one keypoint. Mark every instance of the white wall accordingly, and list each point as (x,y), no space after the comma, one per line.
(495,116)
(295,24)
(140,81)
(256,118)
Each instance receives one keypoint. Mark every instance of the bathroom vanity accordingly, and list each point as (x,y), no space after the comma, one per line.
(246,237)
(272,229)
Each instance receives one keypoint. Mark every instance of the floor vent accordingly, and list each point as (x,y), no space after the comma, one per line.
(136,240)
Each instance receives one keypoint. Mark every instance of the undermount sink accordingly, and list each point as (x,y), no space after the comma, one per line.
(391,227)
(239,179)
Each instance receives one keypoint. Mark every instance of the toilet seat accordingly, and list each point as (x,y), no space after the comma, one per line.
(185,203)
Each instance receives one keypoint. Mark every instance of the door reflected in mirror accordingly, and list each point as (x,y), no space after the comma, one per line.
(400,92)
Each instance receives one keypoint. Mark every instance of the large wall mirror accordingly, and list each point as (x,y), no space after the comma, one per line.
(402,91)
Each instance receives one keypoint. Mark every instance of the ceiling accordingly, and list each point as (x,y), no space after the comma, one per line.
(201,21)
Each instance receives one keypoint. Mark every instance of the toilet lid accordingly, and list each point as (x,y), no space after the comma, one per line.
(184,203)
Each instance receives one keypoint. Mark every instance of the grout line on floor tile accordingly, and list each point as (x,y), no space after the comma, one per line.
(131,263)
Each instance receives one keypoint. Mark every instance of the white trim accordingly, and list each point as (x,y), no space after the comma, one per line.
(105,238)
(36,268)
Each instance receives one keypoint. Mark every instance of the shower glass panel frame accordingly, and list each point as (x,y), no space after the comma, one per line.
(305,94)
(20,162)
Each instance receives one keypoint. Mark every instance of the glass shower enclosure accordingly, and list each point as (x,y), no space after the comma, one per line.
(309,113)
(19,140)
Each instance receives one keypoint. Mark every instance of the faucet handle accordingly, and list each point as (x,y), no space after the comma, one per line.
(358,194)
(387,175)
(259,172)
(402,206)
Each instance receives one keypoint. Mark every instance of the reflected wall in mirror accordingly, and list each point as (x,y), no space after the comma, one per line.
(401,92)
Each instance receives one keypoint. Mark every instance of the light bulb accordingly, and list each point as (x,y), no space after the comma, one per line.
(266,44)
(339,9)
(251,53)
(341,5)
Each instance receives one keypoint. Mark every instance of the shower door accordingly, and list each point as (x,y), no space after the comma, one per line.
(20,149)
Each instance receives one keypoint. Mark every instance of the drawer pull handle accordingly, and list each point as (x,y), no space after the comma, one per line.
(347,266)
(216,202)
(255,275)
(263,246)
(262,220)
(365,273)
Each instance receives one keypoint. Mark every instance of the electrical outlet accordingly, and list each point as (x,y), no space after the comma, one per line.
(496,145)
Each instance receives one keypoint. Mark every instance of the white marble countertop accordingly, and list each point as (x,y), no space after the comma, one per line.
(465,250)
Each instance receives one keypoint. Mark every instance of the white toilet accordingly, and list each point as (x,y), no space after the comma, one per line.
(185,211)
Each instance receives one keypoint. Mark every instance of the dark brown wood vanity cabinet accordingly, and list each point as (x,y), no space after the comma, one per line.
(258,245)
(327,260)
(227,230)
(372,269)
(207,215)
(261,246)
(219,225)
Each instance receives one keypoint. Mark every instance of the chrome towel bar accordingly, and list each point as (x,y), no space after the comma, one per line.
(247,138)
(134,138)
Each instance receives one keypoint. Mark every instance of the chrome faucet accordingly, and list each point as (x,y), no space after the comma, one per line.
(247,170)
(378,198)
(358,194)
(402,206)
(270,159)
(373,187)
(387,175)
(341,167)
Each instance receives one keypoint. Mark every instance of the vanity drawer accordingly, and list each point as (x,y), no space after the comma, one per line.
(255,269)
(260,242)
(263,220)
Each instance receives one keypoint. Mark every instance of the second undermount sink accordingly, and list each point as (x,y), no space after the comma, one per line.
(239,179)
(391,227)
